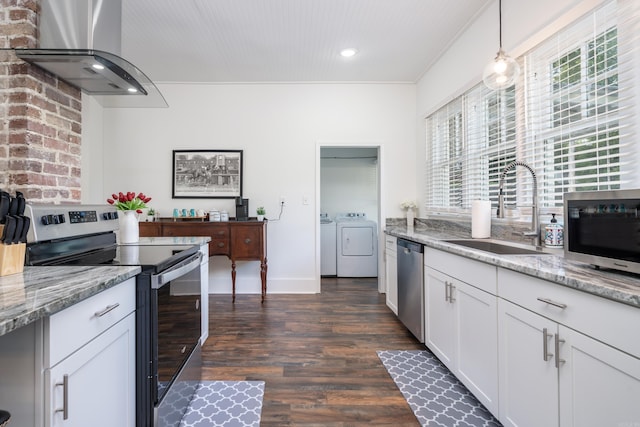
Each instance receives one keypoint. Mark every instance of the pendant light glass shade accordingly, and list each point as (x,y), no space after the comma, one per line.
(503,71)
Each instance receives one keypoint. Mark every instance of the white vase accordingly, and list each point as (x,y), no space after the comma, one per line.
(260,217)
(410,218)
(129,227)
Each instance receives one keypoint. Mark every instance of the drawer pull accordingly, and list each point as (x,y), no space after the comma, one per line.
(553,303)
(558,360)
(65,397)
(183,349)
(221,233)
(221,245)
(545,345)
(451,289)
(247,241)
(107,309)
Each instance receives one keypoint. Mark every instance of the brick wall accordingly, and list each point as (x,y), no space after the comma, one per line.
(40,117)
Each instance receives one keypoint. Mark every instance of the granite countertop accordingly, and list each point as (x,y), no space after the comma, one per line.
(42,291)
(617,286)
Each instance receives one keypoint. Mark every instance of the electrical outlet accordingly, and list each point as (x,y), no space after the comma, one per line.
(282,201)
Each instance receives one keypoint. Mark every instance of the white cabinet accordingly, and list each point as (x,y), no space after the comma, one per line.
(95,386)
(599,385)
(89,361)
(528,382)
(439,316)
(391,272)
(559,364)
(461,321)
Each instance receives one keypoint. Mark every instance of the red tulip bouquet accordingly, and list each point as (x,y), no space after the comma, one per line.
(129,201)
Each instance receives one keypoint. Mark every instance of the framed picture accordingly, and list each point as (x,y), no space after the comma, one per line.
(207,174)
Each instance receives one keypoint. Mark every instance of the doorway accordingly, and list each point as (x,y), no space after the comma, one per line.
(348,177)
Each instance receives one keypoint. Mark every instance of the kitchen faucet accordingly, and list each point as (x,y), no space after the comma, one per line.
(535,224)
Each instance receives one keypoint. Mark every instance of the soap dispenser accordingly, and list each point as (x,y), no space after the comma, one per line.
(554,234)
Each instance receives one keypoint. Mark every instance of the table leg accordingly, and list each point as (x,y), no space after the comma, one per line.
(233,281)
(263,277)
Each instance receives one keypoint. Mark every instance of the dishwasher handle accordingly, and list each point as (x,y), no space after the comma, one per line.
(411,246)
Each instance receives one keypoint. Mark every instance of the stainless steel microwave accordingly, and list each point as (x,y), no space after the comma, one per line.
(602,228)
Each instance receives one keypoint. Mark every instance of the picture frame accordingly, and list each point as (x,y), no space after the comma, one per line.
(207,174)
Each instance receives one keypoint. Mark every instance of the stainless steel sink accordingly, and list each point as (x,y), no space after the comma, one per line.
(498,247)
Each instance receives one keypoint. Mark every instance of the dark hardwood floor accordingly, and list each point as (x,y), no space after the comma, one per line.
(316,354)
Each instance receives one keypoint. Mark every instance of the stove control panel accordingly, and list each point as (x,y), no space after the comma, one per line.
(82,216)
(50,222)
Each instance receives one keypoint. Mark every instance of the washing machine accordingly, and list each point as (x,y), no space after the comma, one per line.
(357,245)
(327,246)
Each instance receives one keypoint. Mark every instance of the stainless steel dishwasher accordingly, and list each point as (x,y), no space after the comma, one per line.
(411,287)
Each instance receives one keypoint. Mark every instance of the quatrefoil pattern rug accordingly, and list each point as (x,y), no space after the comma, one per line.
(434,394)
(225,403)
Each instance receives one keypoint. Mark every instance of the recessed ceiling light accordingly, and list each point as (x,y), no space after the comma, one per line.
(349,52)
(132,90)
(98,66)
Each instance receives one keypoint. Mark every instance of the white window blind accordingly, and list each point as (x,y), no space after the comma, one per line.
(571,117)
(579,95)
(445,156)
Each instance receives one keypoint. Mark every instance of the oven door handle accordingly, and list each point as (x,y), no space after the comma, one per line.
(178,270)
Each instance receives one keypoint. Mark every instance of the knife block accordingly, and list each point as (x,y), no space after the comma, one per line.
(11,257)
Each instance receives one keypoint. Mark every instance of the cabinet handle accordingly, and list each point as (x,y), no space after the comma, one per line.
(65,397)
(446,291)
(247,241)
(451,289)
(553,303)
(198,304)
(558,360)
(545,346)
(221,245)
(107,309)
(183,349)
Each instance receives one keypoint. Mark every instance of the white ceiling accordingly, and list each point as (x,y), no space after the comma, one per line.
(290,40)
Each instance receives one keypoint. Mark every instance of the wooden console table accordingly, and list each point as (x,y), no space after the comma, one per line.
(237,240)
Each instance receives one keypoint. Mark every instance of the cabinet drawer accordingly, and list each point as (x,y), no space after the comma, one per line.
(611,322)
(220,231)
(247,243)
(219,247)
(73,327)
(474,273)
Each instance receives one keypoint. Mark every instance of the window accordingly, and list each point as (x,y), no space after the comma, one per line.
(445,150)
(569,117)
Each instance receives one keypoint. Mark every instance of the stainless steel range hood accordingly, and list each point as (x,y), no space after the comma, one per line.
(80,43)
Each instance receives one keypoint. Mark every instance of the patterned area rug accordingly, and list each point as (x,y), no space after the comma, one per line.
(225,403)
(434,394)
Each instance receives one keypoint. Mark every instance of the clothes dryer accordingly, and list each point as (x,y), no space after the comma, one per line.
(357,246)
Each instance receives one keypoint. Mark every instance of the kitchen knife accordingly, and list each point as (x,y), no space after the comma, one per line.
(22,238)
(16,233)
(21,203)
(13,206)
(5,200)
(9,230)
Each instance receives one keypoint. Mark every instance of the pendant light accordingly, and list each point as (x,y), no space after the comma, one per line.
(503,71)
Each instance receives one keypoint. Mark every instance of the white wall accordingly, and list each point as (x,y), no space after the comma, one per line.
(278,126)
(349,181)
(524,23)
